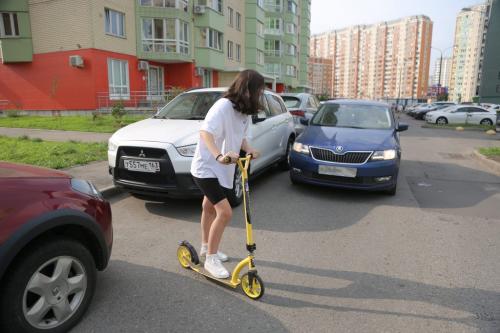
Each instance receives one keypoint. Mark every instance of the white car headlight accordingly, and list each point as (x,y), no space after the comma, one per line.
(382,155)
(300,148)
(112,146)
(187,151)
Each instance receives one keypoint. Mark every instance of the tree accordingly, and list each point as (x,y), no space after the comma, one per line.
(442,97)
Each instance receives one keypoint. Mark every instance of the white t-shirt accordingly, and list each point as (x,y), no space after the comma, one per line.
(229,127)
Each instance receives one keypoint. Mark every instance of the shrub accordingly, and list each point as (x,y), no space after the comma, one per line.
(96,115)
(118,111)
(12,113)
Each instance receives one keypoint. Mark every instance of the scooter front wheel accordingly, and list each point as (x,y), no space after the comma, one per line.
(186,254)
(253,289)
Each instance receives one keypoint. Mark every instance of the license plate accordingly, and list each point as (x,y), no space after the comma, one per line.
(142,166)
(337,171)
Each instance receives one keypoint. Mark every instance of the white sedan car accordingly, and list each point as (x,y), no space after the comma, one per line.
(462,114)
(153,157)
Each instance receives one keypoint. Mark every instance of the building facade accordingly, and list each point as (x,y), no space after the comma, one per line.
(320,75)
(442,72)
(489,91)
(470,31)
(383,60)
(136,50)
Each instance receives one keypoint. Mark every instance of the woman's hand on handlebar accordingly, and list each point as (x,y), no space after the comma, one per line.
(254,153)
(228,158)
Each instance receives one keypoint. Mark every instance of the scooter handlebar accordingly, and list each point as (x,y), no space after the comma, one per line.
(244,162)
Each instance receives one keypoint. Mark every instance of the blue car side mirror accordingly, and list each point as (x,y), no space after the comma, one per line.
(304,121)
(402,127)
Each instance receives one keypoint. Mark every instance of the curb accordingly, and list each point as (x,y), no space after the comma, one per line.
(110,191)
(467,129)
(490,164)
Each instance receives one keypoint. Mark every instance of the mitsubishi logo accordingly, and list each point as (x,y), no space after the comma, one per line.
(339,149)
(142,154)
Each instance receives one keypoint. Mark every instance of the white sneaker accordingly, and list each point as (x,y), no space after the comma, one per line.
(222,256)
(214,267)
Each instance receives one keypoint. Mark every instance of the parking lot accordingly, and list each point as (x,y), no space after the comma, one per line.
(425,260)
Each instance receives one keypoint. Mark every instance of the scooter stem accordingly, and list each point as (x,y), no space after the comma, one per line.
(244,164)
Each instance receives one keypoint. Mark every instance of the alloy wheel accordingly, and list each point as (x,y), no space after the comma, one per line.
(54,292)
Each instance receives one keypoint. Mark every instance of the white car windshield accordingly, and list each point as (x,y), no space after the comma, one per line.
(191,106)
(353,116)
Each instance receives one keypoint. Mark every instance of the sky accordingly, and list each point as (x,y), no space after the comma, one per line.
(335,14)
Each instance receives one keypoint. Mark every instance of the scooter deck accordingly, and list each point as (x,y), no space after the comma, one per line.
(200,269)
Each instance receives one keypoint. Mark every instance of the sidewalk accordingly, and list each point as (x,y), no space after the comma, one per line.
(53,135)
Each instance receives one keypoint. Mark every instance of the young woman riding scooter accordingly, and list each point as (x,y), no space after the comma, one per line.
(223,134)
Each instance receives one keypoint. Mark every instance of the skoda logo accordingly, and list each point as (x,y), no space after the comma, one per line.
(142,154)
(339,149)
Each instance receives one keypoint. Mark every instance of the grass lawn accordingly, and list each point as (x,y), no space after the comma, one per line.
(465,126)
(491,152)
(103,124)
(50,154)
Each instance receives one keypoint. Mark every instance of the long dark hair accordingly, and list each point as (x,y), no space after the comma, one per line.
(245,92)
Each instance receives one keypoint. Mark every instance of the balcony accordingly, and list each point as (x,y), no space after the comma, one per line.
(16,50)
(271,31)
(273,53)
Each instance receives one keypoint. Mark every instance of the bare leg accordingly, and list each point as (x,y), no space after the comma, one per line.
(207,217)
(224,213)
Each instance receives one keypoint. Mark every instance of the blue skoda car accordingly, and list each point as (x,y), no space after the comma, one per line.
(349,144)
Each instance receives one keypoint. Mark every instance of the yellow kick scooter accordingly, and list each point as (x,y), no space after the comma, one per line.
(251,283)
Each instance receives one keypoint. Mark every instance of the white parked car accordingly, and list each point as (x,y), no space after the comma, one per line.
(462,114)
(153,157)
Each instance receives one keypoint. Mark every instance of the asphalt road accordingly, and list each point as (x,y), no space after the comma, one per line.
(425,260)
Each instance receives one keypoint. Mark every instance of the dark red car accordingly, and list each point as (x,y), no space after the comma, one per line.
(55,233)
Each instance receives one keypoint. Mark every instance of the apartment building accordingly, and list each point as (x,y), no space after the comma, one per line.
(320,75)
(442,72)
(469,42)
(286,48)
(383,60)
(489,91)
(83,55)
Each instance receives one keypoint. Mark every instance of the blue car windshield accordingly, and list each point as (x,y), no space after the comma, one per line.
(353,116)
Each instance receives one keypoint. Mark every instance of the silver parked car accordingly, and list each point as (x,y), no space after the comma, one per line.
(152,157)
(301,105)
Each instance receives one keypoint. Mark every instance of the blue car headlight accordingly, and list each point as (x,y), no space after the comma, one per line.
(301,148)
(383,155)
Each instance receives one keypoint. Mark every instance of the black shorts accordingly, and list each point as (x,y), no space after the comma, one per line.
(211,188)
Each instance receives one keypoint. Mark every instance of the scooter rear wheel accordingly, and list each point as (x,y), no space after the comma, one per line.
(186,254)
(253,289)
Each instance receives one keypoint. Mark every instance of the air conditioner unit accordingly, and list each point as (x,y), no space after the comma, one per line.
(199,9)
(198,71)
(76,61)
(143,65)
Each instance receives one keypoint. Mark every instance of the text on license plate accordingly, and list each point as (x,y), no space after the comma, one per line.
(142,166)
(337,171)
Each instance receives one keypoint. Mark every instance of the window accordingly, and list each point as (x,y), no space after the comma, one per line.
(230,16)
(291,49)
(238,52)
(273,68)
(165,35)
(182,4)
(260,29)
(115,23)
(118,79)
(291,28)
(229,49)
(8,25)
(291,70)
(238,21)
(215,5)
(273,48)
(273,5)
(273,26)
(212,38)
(207,78)
(260,57)
(260,3)
(274,105)
(292,7)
